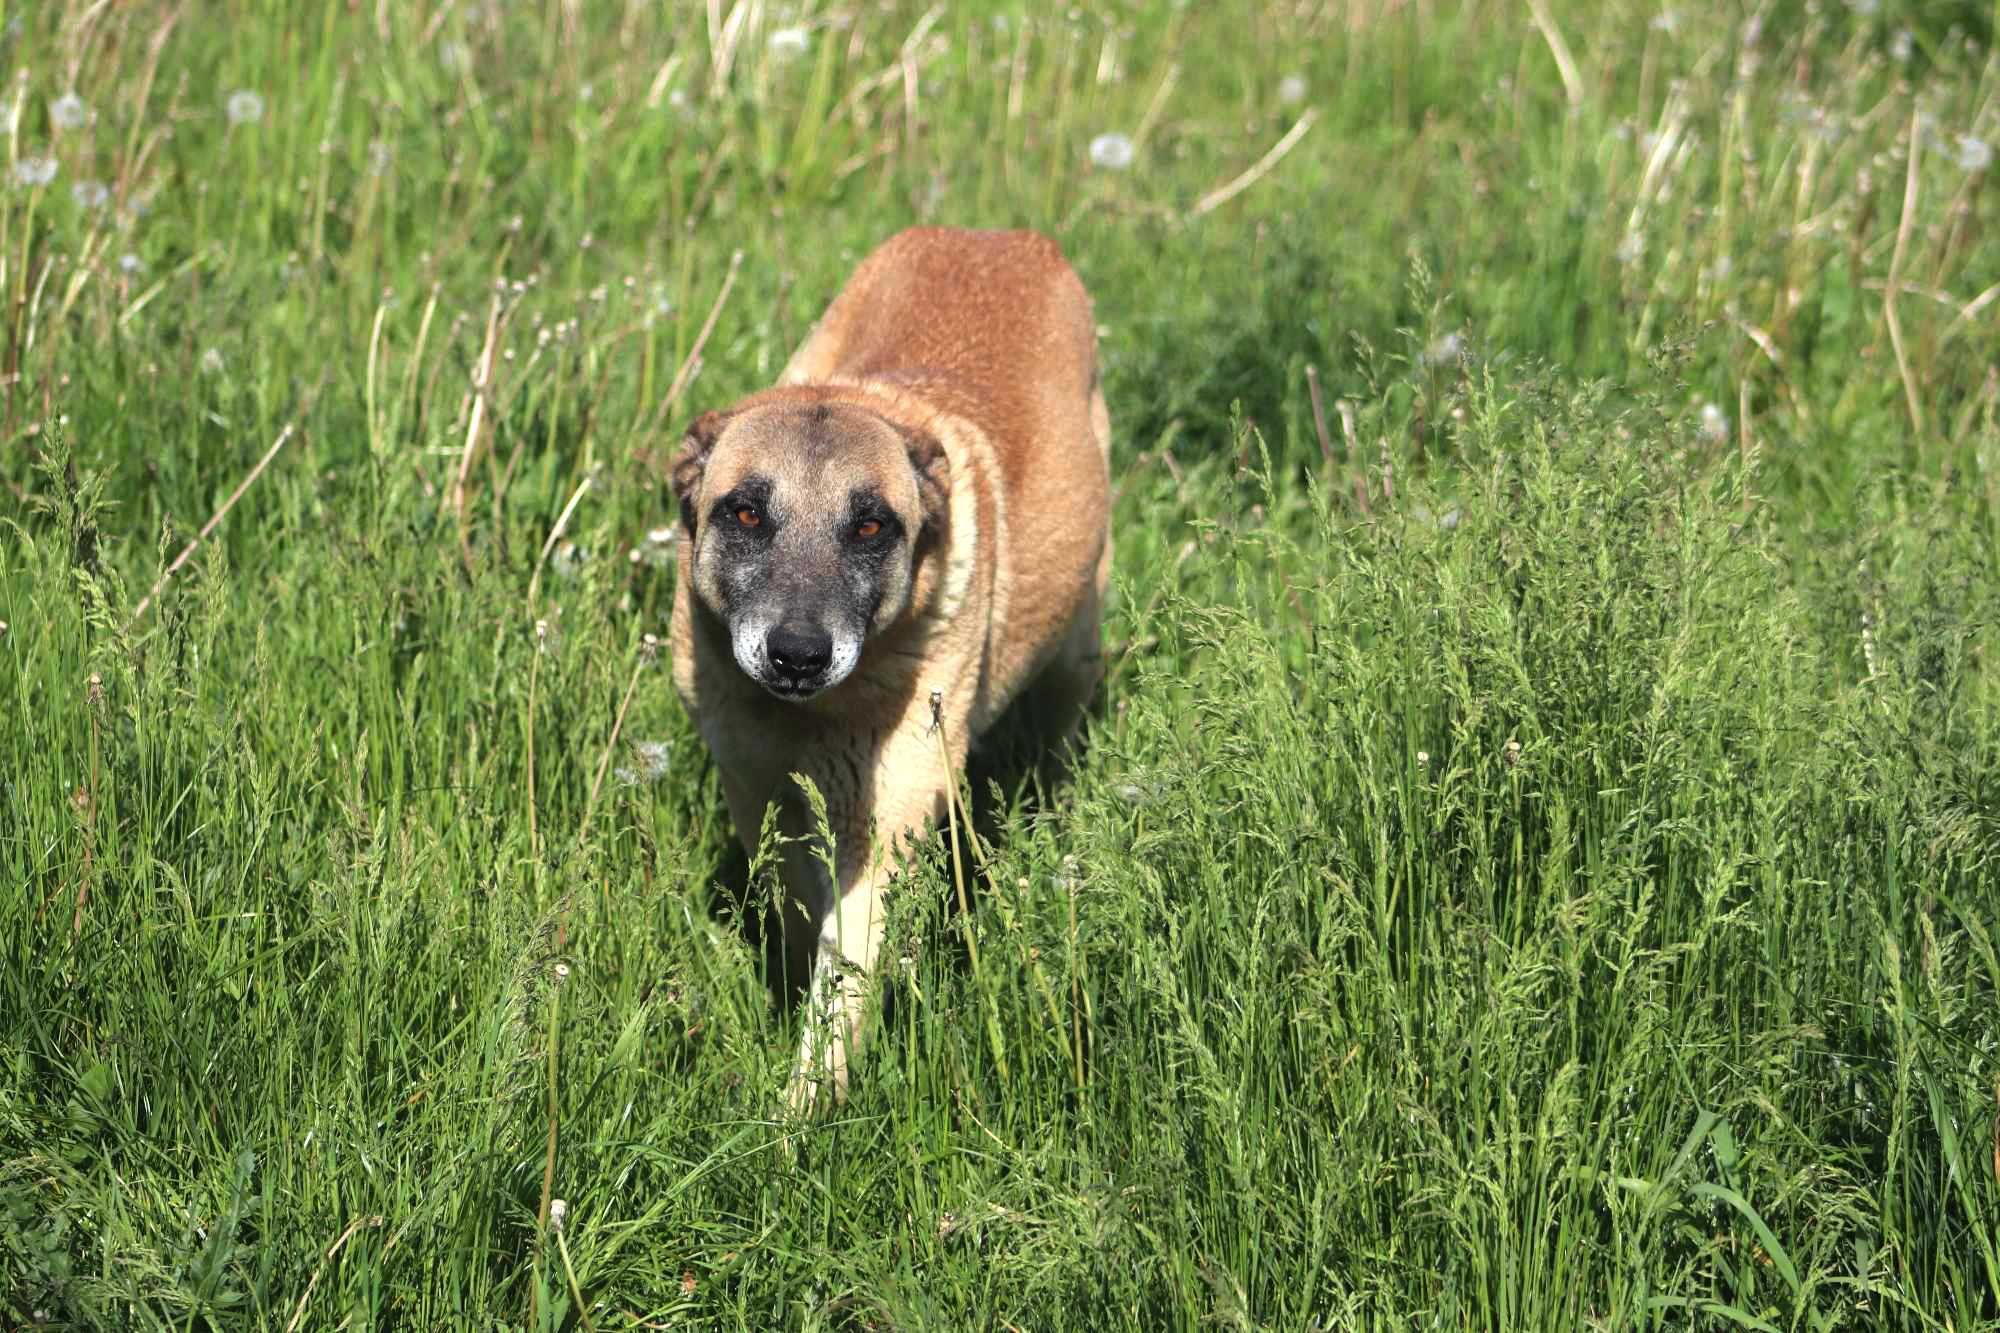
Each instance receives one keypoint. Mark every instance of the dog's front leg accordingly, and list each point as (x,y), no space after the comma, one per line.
(849,944)
(908,790)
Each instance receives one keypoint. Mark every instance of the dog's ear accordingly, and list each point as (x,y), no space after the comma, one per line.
(933,469)
(696,446)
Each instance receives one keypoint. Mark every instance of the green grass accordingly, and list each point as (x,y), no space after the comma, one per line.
(1539,863)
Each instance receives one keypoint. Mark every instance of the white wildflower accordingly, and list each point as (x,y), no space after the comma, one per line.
(657,549)
(651,765)
(1445,351)
(1974,154)
(1292,89)
(244,107)
(34,171)
(69,112)
(788,43)
(131,265)
(90,194)
(1113,152)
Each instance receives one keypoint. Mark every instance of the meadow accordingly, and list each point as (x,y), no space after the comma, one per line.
(1537,863)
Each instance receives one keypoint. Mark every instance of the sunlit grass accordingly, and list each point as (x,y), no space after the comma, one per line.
(1538,863)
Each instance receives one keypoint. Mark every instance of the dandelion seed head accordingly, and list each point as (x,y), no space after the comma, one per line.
(651,760)
(1292,89)
(1112,152)
(33,171)
(244,107)
(90,194)
(1446,351)
(1714,423)
(69,112)
(131,265)
(1974,154)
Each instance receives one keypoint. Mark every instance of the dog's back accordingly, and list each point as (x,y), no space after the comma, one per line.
(994,327)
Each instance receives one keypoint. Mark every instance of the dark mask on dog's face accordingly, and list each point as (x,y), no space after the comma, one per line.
(806,524)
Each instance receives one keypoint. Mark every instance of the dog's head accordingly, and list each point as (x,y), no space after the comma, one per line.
(806,522)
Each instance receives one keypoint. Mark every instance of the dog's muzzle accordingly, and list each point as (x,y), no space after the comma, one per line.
(799,656)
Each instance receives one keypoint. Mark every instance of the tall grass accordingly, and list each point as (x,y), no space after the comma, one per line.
(1537,865)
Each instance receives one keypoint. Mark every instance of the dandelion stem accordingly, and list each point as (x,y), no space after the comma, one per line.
(604,760)
(208,527)
(692,361)
(1216,198)
(1894,285)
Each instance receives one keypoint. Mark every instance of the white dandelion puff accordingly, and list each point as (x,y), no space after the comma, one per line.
(788,43)
(1446,351)
(1113,151)
(657,550)
(69,112)
(32,171)
(244,107)
(650,763)
(131,265)
(90,194)
(1292,89)
(1714,423)
(1974,154)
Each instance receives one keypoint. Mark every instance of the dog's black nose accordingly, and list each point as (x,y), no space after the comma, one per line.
(799,653)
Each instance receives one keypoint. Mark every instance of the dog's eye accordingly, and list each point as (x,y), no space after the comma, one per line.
(748,517)
(867,527)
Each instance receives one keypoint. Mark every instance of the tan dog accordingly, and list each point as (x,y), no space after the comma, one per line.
(880,554)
